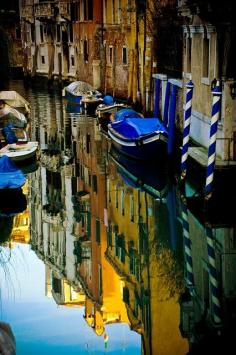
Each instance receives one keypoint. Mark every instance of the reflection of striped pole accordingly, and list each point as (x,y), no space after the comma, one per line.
(187,248)
(157,95)
(187,121)
(212,145)
(215,292)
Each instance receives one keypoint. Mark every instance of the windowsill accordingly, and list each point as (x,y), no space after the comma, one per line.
(205,81)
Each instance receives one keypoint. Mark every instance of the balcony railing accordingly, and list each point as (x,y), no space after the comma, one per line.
(44,10)
(53,10)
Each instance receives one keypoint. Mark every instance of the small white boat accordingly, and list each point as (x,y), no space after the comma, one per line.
(80,92)
(19,152)
(15,100)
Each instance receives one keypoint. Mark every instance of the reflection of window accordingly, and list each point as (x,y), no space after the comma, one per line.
(120,248)
(131,208)
(205,57)
(98,231)
(122,196)
(124,55)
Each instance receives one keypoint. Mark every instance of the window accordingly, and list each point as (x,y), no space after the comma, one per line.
(86,55)
(205,57)
(71,33)
(124,55)
(41,33)
(74,11)
(88,10)
(32,30)
(42,59)
(110,59)
(72,61)
(188,50)
(18,33)
(58,33)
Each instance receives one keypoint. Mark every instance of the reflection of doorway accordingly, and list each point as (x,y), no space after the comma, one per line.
(4,60)
(60,66)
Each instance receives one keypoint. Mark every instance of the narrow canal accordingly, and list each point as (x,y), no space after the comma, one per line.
(105,256)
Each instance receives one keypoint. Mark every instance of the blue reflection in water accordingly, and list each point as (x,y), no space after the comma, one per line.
(42,327)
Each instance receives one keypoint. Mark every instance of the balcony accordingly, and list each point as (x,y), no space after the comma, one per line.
(44,11)
(27,13)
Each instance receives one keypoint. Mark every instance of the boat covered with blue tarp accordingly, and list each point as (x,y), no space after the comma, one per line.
(138,137)
(11,177)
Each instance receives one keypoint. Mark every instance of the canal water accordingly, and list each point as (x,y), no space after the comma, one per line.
(101,254)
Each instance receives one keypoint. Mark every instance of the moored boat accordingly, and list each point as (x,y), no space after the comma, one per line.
(20,152)
(106,110)
(15,100)
(138,137)
(80,92)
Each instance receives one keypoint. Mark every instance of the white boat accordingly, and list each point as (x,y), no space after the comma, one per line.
(80,92)
(20,152)
(15,100)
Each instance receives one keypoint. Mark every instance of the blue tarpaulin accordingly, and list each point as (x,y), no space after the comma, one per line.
(11,177)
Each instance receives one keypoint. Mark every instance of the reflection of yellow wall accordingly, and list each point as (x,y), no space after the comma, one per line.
(20,231)
(157,316)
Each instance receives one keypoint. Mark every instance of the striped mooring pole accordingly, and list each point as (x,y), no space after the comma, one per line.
(212,144)
(186,132)
(187,248)
(213,278)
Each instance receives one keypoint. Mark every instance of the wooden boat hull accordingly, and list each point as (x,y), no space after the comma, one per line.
(21,152)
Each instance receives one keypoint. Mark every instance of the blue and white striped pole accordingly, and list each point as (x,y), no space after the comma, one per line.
(187,248)
(212,144)
(186,132)
(214,285)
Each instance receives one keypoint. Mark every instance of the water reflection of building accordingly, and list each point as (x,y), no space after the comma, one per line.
(103,286)
(144,247)
(208,307)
